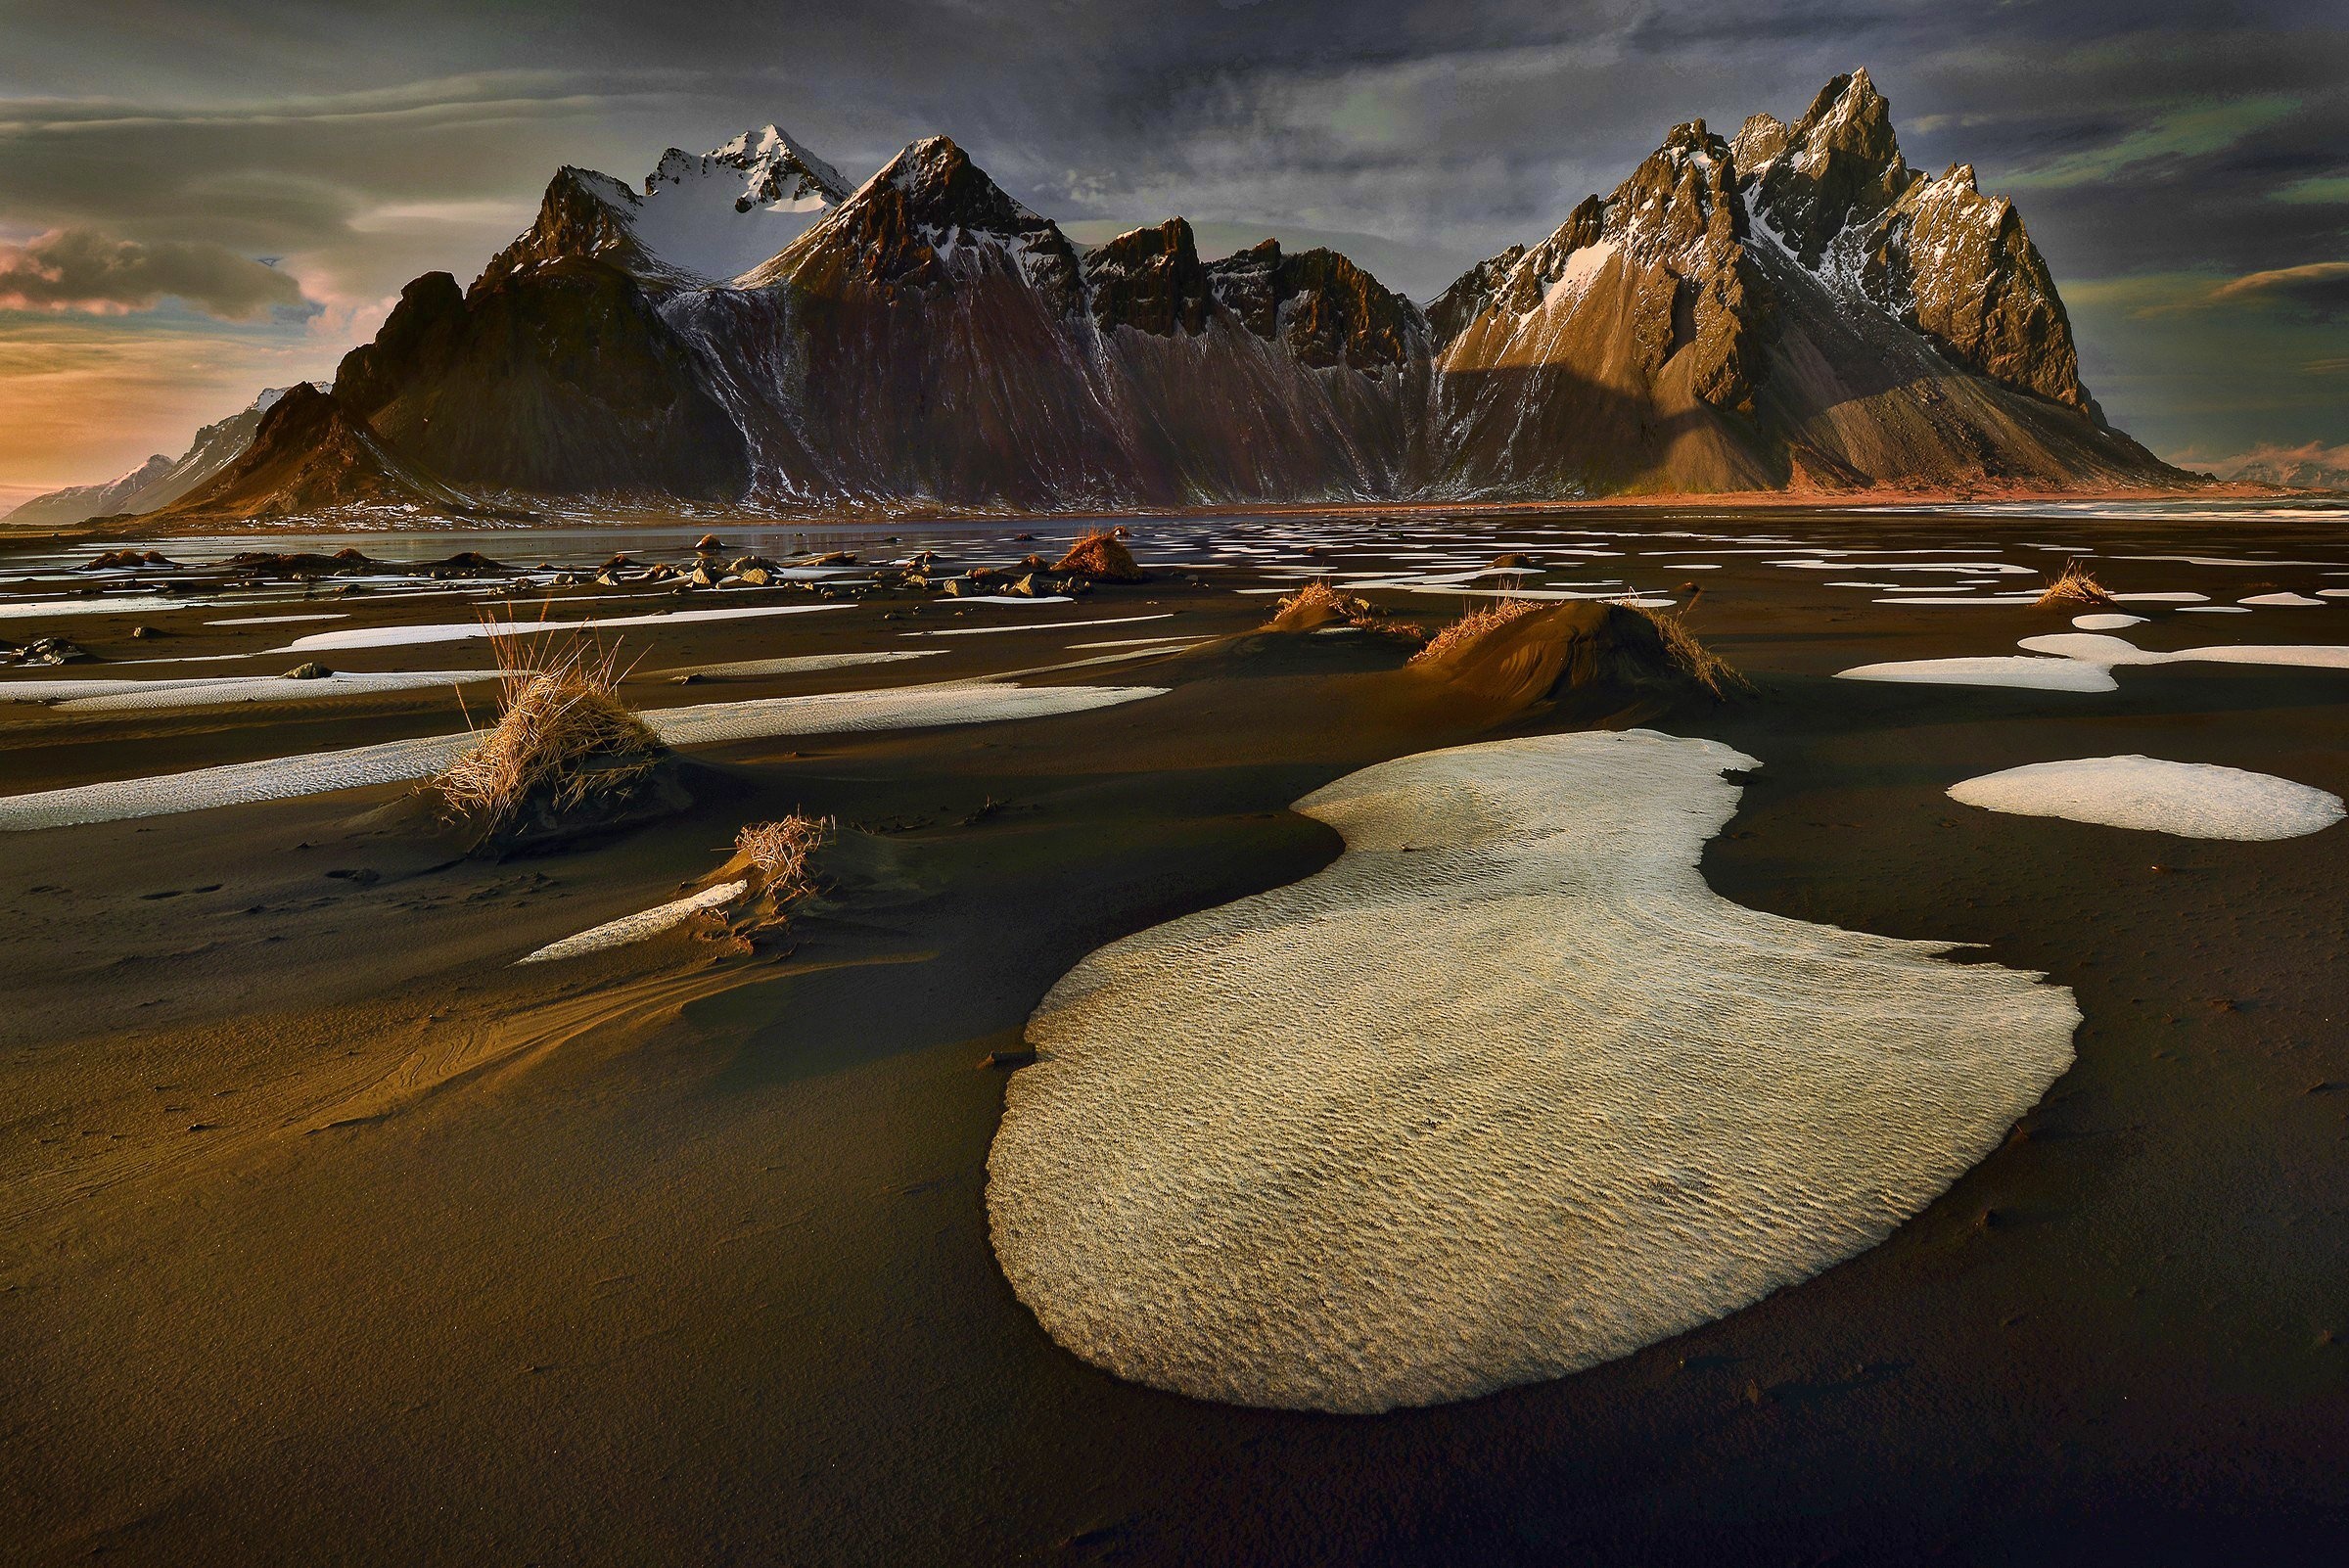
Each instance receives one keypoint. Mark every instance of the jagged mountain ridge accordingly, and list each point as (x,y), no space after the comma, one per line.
(1825,318)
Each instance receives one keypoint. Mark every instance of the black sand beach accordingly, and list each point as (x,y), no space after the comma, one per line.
(325,1233)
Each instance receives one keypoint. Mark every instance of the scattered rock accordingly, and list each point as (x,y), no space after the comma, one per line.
(119,560)
(43,651)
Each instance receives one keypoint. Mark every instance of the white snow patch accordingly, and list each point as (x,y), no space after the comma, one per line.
(2282,599)
(2097,649)
(2107,622)
(464,630)
(1504,1092)
(1997,670)
(403,761)
(2190,800)
(637,927)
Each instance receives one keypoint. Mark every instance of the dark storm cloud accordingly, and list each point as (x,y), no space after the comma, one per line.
(78,269)
(366,142)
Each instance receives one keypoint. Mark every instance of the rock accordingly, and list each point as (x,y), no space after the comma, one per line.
(708,544)
(144,632)
(1327,310)
(43,651)
(956,586)
(466,564)
(1024,587)
(1512,561)
(1149,279)
(308,670)
(1009,1060)
(756,576)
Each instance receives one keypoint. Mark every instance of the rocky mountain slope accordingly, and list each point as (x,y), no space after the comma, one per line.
(158,482)
(1794,309)
(310,454)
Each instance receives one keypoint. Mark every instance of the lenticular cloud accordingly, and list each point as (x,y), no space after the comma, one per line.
(1504,1091)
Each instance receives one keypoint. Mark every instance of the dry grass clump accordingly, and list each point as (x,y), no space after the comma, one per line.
(1692,658)
(1474,624)
(561,732)
(773,858)
(1320,603)
(2077,585)
(1103,557)
(778,851)
(1320,594)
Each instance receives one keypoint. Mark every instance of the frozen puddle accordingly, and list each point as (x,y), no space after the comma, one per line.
(637,927)
(704,724)
(1504,1092)
(2107,622)
(1997,670)
(2192,799)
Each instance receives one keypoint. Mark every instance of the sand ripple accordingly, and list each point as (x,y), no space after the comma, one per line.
(1504,1091)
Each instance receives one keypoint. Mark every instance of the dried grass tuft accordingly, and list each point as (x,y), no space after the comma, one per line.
(1692,658)
(1102,556)
(2077,585)
(1319,602)
(778,851)
(560,719)
(773,857)
(1474,624)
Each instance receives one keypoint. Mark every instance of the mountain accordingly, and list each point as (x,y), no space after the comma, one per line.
(156,483)
(1796,310)
(309,455)
(2312,467)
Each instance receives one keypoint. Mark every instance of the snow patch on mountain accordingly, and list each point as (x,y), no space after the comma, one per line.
(719,214)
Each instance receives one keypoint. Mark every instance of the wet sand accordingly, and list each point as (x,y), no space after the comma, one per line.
(327,1232)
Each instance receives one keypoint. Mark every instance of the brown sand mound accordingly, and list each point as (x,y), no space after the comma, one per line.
(1103,558)
(1597,656)
(1318,605)
(566,758)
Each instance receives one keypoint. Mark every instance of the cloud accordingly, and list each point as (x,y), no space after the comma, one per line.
(2320,287)
(83,270)
(2187,133)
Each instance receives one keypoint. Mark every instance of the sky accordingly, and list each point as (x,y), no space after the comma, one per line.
(198,200)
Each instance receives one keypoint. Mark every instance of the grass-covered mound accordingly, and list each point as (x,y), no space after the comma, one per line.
(564,759)
(1592,655)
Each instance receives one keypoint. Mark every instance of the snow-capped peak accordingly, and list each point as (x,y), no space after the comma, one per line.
(719,214)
